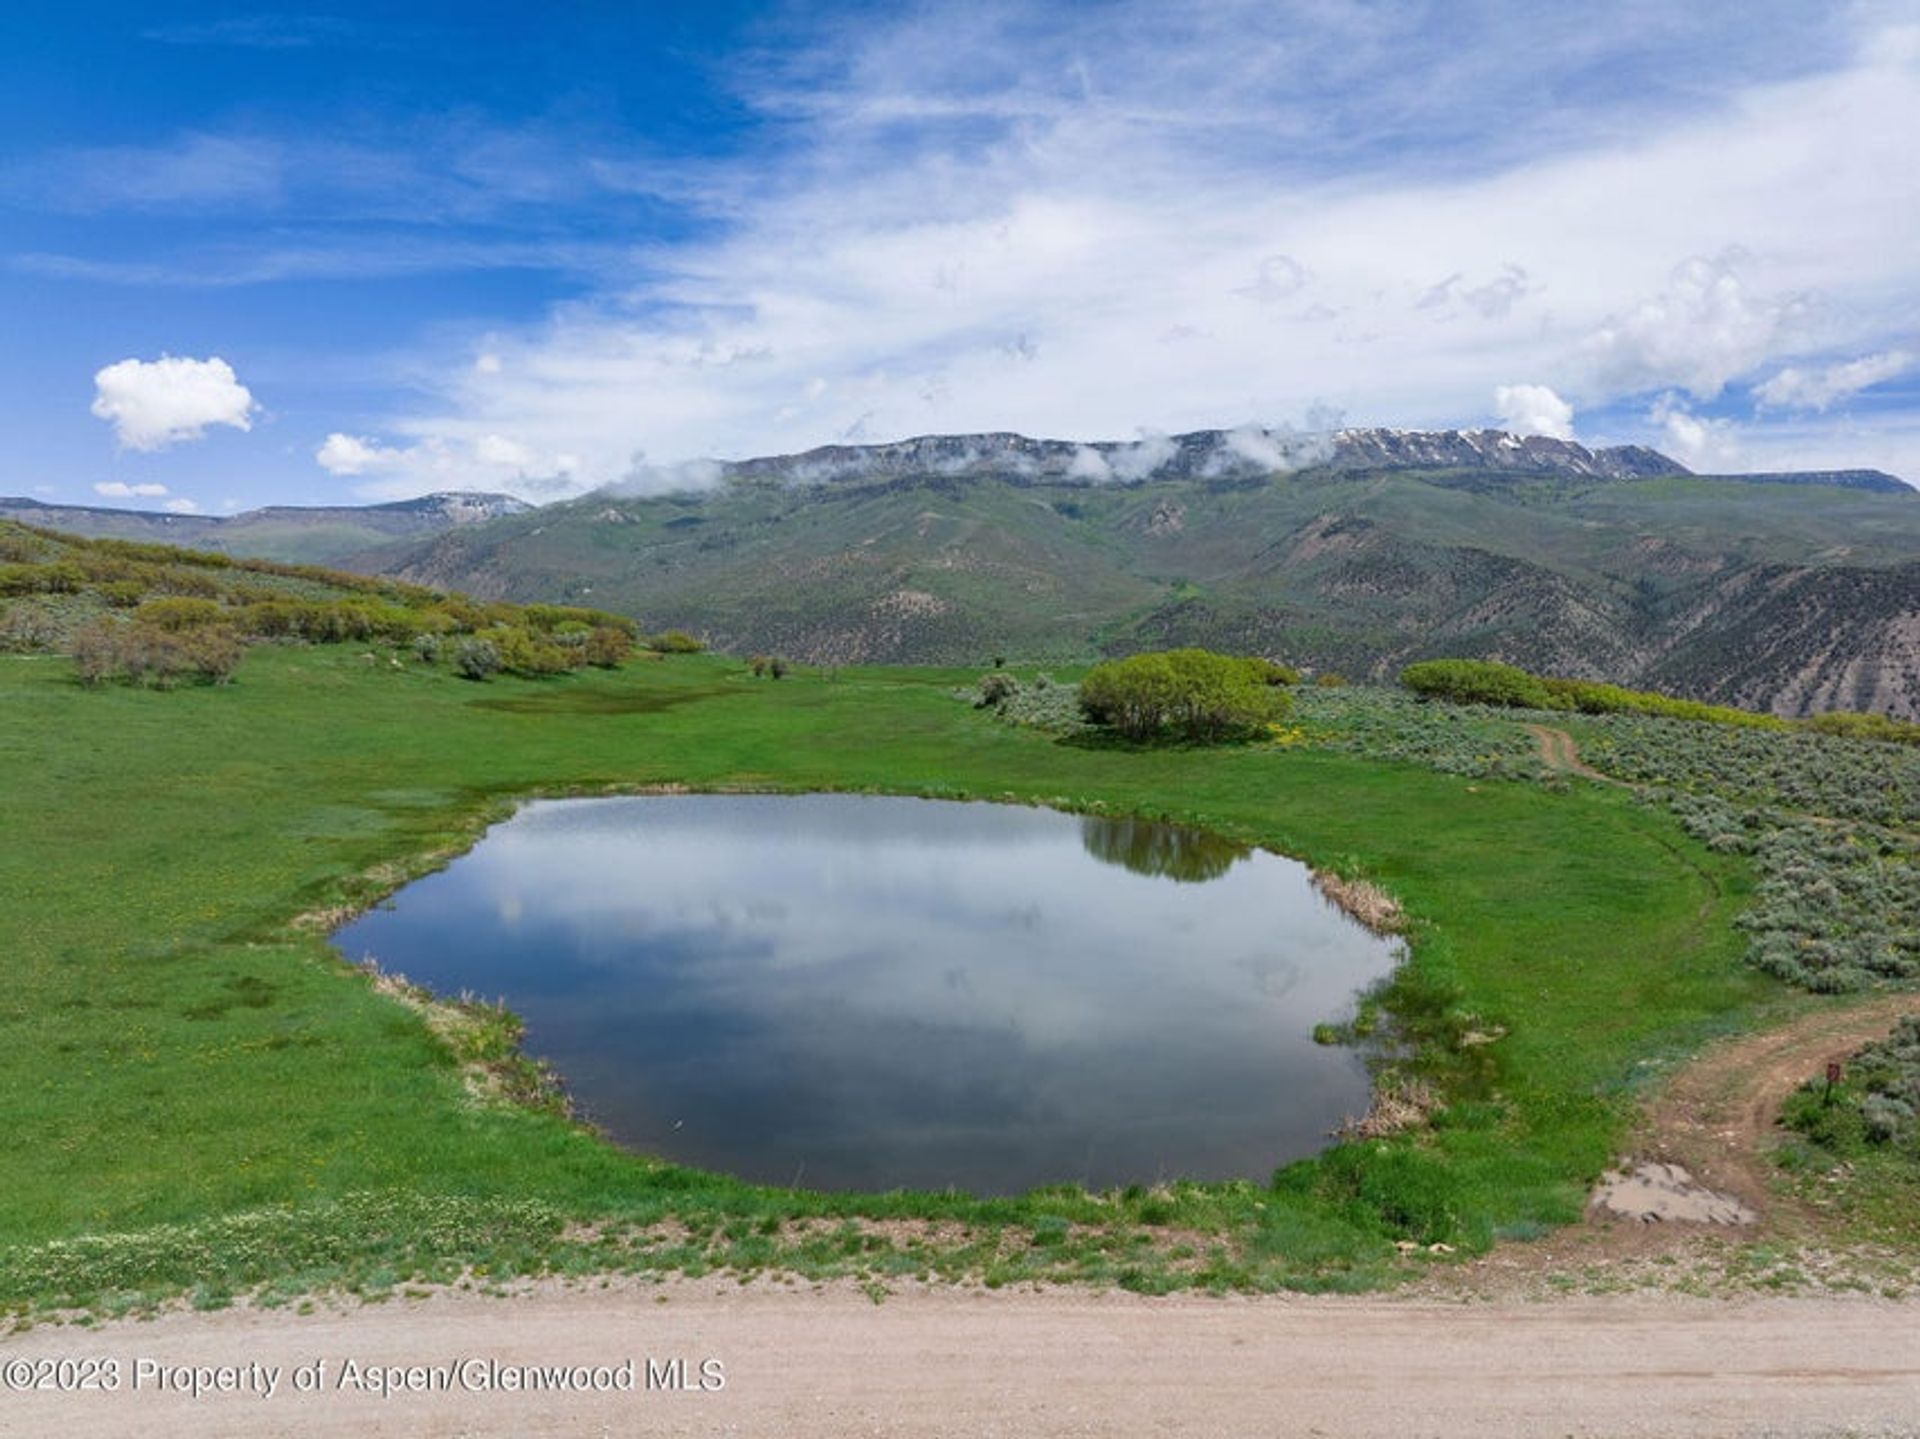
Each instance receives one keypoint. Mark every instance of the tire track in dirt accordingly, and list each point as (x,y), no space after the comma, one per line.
(1718,1115)
(1559,752)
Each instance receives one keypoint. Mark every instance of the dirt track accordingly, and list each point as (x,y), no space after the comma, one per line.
(1060,1363)
(1559,752)
(1718,1115)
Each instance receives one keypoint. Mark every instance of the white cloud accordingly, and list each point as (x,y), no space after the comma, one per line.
(1696,441)
(1821,389)
(1533,410)
(1088,465)
(121,490)
(1702,330)
(152,404)
(875,297)
(1143,457)
(439,463)
(181,505)
(499,450)
(350,455)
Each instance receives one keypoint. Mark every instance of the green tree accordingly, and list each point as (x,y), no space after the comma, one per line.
(1191,694)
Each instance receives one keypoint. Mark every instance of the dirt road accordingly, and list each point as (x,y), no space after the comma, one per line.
(1559,752)
(1718,1115)
(949,1362)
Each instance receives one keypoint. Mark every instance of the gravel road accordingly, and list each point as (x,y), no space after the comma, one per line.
(799,1362)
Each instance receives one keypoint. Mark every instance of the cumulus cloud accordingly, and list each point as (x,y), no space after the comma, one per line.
(1704,328)
(181,505)
(152,404)
(121,490)
(439,462)
(1696,441)
(351,455)
(1822,388)
(1533,410)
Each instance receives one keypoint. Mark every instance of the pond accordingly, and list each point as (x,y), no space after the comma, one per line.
(853,992)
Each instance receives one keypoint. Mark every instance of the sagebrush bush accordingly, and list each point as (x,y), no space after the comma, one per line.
(476,659)
(1877,1102)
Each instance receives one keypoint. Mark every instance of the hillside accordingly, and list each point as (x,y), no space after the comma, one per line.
(295,534)
(159,615)
(1359,553)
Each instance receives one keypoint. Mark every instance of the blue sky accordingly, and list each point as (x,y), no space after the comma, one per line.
(320,255)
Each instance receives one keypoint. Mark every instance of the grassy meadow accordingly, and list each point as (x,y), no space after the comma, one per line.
(202,1096)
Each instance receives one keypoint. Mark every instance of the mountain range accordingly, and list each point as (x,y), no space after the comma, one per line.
(1356,551)
(294,534)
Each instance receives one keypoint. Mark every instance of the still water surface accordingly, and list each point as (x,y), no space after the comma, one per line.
(852,992)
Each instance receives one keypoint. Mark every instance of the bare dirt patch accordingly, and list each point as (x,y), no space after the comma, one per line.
(1655,1193)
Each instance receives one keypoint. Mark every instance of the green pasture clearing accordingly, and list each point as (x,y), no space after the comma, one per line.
(201,1096)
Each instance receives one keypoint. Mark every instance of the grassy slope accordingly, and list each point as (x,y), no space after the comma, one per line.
(170,1050)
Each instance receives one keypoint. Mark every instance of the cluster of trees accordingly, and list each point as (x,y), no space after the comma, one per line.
(35,579)
(771,667)
(147,653)
(1488,682)
(523,650)
(1849,725)
(1189,694)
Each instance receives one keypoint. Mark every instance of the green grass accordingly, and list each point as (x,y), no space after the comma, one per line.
(199,1093)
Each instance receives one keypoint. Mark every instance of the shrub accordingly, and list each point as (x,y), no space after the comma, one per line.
(476,658)
(1876,1104)
(1484,682)
(1330,680)
(145,653)
(122,594)
(1273,672)
(211,651)
(64,578)
(607,647)
(526,653)
(1194,694)
(1849,725)
(677,642)
(426,647)
(996,688)
(777,667)
(178,614)
(95,652)
(26,627)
